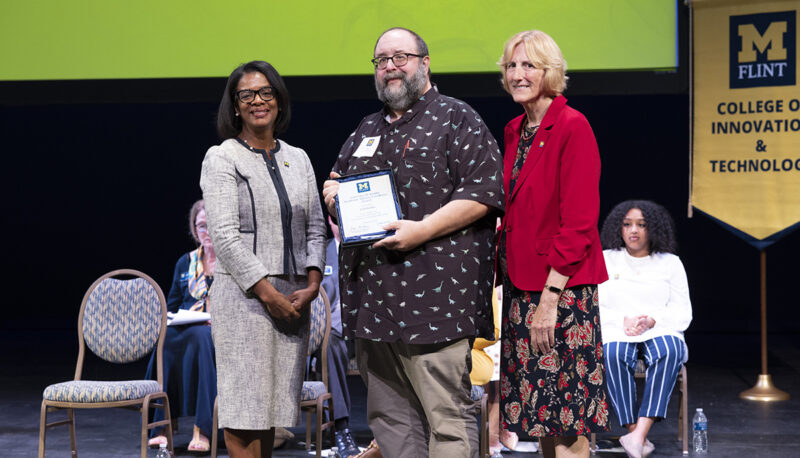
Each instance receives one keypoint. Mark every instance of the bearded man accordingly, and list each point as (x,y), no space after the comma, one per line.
(415,300)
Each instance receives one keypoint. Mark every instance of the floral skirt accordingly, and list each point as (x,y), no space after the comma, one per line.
(561,393)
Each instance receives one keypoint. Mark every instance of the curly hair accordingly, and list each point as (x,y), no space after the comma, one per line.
(660,227)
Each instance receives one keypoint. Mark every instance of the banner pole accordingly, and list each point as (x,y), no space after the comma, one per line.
(691,104)
(764,390)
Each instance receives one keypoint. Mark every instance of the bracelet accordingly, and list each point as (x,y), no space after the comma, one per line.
(553,289)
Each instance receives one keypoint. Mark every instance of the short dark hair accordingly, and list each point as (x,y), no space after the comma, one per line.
(228,124)
(660,226)
(422,47)
(196,208)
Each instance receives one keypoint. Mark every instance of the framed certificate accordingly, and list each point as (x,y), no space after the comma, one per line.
(364,204)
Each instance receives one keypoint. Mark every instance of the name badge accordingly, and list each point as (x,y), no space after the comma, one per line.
(328,270)
(367,147)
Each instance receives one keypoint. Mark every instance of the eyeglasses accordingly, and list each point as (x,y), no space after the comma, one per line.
(202,227)
(266,93)
(398,60)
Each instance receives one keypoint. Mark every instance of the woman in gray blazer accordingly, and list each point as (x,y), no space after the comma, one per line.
(266,223)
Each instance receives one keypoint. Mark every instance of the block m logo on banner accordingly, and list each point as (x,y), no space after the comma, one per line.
(762,49)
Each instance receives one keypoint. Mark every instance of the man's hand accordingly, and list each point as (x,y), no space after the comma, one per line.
(329,190)
(408,235)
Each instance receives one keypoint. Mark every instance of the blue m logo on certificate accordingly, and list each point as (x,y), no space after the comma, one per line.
(365,203)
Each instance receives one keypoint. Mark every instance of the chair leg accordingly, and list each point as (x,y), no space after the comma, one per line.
(684,416)
(214,429)
(320,412)
(145,423)
(42,428)
(170,432)
(149,401)
(484,432)
(72,441)
(331,419)
(308,430)
(680,414)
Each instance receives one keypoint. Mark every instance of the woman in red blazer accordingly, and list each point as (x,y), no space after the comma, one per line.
(552,378)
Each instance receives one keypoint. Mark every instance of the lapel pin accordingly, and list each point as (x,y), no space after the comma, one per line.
(286,163)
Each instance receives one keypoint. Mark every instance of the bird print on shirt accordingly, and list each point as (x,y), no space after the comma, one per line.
(428,294)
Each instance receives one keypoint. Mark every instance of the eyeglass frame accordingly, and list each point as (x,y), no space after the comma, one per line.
(272,93)
(377,60)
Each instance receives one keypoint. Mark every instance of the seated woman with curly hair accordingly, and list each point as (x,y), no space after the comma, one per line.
(644,309)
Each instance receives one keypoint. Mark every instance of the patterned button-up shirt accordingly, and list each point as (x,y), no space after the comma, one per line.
(439,150)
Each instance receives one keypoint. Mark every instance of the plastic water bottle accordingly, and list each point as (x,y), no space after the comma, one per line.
(700,438)
(162,451)
(334,453)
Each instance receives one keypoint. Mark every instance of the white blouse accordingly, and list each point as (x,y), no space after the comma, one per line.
(654,285)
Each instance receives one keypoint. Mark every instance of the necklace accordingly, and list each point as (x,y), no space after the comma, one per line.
(271,147)
(529,132)
(266,153)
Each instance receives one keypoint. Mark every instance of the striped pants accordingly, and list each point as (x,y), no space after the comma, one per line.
(663,356)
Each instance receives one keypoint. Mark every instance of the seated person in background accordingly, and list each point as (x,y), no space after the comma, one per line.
(486,372)
(337,349)
(644,309)
(484,368)
(190,375)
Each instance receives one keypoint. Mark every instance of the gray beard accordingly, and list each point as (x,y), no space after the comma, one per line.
(402,98)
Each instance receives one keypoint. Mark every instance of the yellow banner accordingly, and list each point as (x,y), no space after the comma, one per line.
(746,134)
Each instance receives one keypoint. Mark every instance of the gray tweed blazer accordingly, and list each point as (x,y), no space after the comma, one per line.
(244,217)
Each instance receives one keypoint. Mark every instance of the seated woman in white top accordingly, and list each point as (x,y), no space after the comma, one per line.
(644,309)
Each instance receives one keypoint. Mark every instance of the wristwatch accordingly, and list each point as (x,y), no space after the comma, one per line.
(553,289)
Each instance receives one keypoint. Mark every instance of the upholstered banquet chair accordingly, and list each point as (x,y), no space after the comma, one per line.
(315,393)
(120,321)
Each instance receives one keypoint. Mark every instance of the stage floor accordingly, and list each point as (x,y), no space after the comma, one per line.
(720,366)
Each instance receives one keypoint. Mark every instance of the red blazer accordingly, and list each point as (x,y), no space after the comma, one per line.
(551,218)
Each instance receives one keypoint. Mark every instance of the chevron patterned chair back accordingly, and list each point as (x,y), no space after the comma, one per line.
(120,321)
(317,331)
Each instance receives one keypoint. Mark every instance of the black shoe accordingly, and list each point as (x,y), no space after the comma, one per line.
(345,443)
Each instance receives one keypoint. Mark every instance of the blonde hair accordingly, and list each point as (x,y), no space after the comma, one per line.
(544,53)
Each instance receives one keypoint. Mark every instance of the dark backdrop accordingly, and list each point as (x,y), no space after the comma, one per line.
(92,187)
(100,175)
